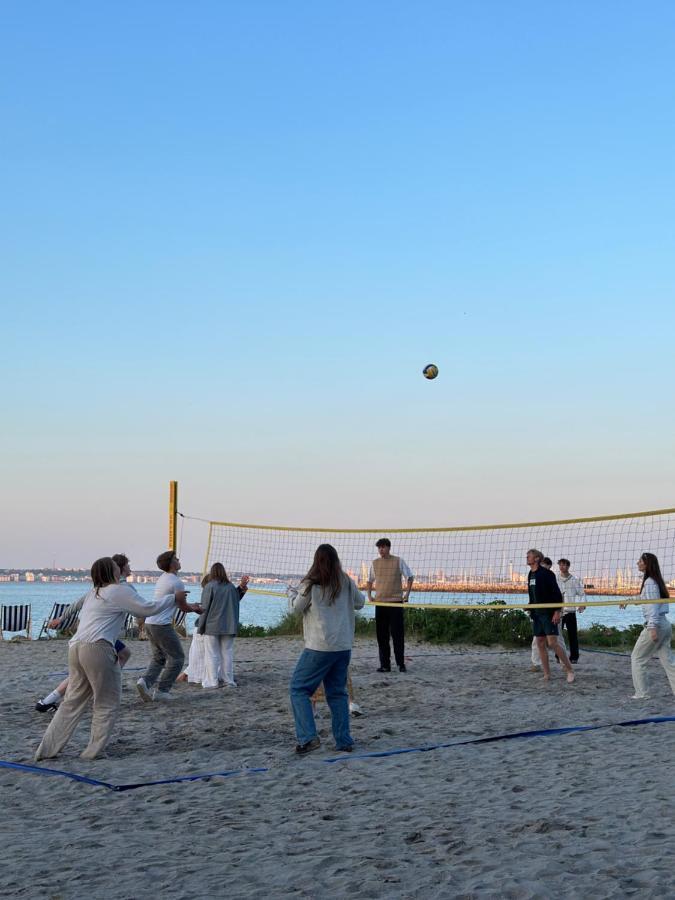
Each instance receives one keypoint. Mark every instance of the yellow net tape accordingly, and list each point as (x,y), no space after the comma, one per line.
(459,567)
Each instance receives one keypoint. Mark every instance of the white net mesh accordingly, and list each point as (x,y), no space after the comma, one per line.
(455,566)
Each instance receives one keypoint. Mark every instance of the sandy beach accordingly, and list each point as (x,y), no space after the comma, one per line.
(585,814)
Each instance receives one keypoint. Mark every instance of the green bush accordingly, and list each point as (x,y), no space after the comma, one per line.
(481,627)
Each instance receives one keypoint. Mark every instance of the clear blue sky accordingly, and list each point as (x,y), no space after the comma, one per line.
(232,234)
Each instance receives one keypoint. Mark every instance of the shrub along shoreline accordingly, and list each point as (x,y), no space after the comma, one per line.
(508,627)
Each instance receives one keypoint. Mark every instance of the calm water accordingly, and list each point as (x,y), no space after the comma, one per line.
(257,609)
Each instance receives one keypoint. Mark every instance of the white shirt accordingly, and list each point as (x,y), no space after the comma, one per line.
(405,570)
(103,613)
(167,586)
(654,614)
(570,588)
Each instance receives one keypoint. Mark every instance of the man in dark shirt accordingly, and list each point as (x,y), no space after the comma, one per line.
(542,587)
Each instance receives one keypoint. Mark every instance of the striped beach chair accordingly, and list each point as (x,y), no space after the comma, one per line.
(179,622)
(58,609)
(69,624)
(132,626)
(15,619)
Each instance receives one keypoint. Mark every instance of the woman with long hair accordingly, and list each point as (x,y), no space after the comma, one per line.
(327,599)
(657,633)
(93,672)
(218,625)
(52,700)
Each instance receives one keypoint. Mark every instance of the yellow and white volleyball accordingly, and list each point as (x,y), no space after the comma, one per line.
(430,371)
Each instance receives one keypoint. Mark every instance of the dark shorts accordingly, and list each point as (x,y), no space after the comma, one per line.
(542,623)
(119,646)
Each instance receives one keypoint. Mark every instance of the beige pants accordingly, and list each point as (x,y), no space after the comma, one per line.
(92,672)
(643,651)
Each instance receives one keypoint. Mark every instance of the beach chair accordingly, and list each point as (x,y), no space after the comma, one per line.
(14,619)
(58,609)
(131,627)
(179,622)
(69,624)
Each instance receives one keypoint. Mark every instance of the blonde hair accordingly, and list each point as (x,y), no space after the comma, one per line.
(536,553)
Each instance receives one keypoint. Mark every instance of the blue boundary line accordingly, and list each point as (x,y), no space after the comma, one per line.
(378,754)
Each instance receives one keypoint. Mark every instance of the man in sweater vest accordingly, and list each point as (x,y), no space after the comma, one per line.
(387,573)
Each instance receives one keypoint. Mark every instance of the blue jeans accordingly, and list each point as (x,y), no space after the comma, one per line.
(315,666)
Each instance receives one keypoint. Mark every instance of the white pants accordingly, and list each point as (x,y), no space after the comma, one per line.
(536,659)
(218,659)
(643,651)
(195,666)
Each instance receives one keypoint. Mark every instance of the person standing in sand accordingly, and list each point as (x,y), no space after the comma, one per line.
(572,590)
(218,626)
(327,599)
(386,574)
(52,700)
(167,652)
(535,658)
(543,588)
(93,671)
(657,634)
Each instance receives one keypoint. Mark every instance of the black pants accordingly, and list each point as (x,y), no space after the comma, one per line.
(569,620)
(389,621)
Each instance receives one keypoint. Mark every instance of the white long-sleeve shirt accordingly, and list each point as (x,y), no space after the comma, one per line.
(573,592)
(103,613)
(654,613)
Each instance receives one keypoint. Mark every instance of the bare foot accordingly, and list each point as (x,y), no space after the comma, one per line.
(570,677)
(182,677)
(547,677)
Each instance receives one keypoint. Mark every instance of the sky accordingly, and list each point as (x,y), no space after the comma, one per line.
(233,233)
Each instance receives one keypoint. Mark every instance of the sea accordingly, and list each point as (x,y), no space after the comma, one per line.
(266,610)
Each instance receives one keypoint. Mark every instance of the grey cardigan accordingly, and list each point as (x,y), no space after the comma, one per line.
(220,602)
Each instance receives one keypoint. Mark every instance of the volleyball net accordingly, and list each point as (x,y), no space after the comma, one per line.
(461,567)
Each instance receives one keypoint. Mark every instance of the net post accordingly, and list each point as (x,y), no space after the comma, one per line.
(173,514)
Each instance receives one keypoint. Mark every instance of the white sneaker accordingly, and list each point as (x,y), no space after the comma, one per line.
(144,690)
(355,709)
(163,697)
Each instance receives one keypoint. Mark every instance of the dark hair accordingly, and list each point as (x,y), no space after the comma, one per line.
(120,559)
(217,573)
(165,559)
(383,542)
(564,562)
(103,572)
(653,570)
(547,561)
(326,570)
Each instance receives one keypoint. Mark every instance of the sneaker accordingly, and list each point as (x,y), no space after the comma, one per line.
(144,690)
(45,707)
(163,697)
(402,669)
(314,744)
(355,709)
(345,749)
(640,697)
(384,669)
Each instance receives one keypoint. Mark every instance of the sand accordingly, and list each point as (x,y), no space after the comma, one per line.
(576,815)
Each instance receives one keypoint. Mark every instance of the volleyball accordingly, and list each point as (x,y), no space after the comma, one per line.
(430,371)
